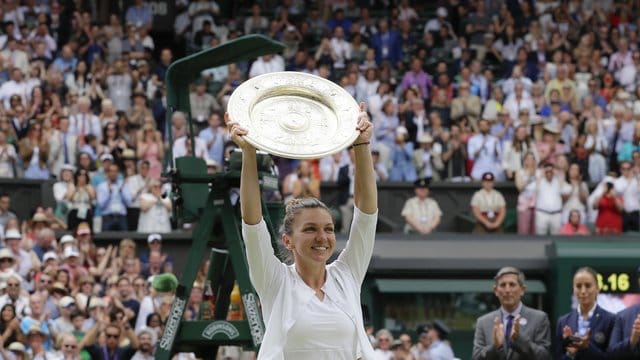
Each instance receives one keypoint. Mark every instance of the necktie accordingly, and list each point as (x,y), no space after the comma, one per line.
(82,131)
(507,332)
(66,149)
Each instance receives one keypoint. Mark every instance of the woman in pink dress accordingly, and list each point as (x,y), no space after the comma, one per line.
(150,149)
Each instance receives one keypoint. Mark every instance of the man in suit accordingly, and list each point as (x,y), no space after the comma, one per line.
(85,122)
(514,331)
(63,147)
(625,337)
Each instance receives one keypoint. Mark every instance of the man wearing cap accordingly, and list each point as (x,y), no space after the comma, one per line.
(100,176)
(84,122)
(63,324)
(27,261)
(72,264)
(67,240)
(147,338)
(421,213)
(154,242)
(113,198)
(514,331)
(427,159)
(488,207)
(439,348)
(486,152)
(13,295)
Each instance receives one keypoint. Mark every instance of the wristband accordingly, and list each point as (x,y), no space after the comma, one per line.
(362,143)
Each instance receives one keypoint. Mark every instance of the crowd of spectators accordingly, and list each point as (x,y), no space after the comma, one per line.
(544,94)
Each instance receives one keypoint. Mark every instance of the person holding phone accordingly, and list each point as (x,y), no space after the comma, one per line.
(311,309)
(584,333)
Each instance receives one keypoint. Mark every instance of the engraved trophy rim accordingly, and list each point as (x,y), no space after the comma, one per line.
(309,117)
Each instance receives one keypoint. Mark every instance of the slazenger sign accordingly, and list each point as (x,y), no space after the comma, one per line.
(172,324)
(253,316)
(218,327)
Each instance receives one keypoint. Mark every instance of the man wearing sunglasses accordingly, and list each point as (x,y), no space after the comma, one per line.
(113,332)
(13,296)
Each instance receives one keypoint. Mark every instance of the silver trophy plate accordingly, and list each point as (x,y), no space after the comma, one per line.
(295,115)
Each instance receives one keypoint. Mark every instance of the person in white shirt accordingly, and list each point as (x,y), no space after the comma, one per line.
(15,86)
(84,122)
(182,147)
(627,186)
(310,307)
(486,152)
(384,339)
(519,100)
(550,196)
(341,48)
(266,64)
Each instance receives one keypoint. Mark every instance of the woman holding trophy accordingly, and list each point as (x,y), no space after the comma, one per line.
(311,309)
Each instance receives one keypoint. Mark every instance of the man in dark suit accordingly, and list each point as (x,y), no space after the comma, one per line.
(514,331)
(625,337)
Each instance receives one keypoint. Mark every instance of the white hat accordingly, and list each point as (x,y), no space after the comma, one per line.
(49,255)
(6,254)
(442,11)
(106,156)
(153,237)
(67,239)
(425,138)
(402,130)
(68,167)
(16,346)
(70,251)
(12,234)
(66,301)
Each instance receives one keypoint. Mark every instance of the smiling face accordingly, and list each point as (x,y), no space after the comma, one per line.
(509,291)
(312,237)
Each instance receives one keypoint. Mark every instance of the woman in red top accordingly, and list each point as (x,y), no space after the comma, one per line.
(609,206)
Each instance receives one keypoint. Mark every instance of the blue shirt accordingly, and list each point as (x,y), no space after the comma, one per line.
(627,150)
(139,16)
(583,325)
(115,201)
(216,150)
